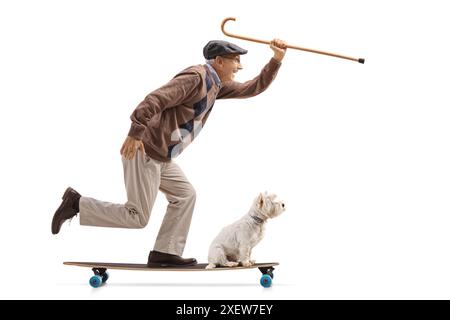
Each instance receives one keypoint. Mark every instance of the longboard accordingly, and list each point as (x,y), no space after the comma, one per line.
(101,274)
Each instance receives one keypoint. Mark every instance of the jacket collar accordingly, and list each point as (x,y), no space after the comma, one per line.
(214,75)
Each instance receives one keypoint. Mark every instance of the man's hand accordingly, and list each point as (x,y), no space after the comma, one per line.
(279,48)
(130,147)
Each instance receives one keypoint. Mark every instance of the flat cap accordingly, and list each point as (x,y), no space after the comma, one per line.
(216,48)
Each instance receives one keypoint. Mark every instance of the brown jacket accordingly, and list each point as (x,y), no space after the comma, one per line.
(169,118)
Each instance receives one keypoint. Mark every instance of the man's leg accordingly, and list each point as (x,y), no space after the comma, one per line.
(142,179)
(181,196)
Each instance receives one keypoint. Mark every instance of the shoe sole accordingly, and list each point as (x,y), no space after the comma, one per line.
(57,212)
(56,229)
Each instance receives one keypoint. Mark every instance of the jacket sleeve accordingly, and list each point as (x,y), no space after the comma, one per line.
(234,89)
(182,88)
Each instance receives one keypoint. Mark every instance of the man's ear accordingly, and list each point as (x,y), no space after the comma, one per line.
(218,60)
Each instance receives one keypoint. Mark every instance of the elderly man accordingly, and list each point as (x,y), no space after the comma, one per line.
(162,126)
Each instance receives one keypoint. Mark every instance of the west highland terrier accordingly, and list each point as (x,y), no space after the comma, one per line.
(233,245)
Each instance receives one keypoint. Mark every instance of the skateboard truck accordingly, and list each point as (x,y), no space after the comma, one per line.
(99,271)
(267,270)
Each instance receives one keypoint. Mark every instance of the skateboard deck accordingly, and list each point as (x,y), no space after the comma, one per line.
(101,274)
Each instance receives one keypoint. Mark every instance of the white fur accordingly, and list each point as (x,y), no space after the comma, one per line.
(233,245)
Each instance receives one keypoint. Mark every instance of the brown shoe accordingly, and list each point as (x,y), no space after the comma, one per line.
(67,210)
(158,259)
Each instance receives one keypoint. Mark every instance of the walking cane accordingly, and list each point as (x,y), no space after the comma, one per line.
(360,60)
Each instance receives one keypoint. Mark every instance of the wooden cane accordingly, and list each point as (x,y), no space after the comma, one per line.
(360,60)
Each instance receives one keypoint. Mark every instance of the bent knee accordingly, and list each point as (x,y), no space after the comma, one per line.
(142,222)
(182,197)
(191,193)
(186,195)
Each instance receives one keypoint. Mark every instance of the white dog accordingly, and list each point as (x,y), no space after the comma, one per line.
(233,245)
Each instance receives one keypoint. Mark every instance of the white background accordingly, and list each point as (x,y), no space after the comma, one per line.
(360,153)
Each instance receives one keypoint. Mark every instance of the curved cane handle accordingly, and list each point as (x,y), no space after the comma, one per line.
(237,36)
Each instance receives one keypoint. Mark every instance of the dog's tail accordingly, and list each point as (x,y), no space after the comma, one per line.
(210,266)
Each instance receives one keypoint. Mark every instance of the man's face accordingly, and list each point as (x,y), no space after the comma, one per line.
(227,66)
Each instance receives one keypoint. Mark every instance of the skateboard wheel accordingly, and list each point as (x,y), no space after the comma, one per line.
(105,277)
(266,281)
(95,281)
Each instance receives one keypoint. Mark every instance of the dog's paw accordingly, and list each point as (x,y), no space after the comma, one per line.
(210,266)
(252,262)
(231,264)
(246,264)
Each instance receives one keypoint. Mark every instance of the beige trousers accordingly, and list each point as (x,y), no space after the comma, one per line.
(144,176)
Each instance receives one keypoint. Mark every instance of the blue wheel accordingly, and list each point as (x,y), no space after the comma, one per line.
(105,277)
(266,281)
(95,281)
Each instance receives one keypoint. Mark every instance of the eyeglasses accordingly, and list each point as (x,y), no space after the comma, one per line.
(235,59)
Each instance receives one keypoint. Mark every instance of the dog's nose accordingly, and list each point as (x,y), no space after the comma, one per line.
(282,205)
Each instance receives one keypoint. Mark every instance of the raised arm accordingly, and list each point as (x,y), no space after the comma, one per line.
(234,89)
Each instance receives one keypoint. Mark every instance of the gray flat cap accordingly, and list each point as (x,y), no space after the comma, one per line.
(216,48)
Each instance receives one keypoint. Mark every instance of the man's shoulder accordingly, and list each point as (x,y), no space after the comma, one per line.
(197,70)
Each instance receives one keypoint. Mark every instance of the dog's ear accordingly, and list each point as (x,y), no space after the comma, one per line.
(260,201)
